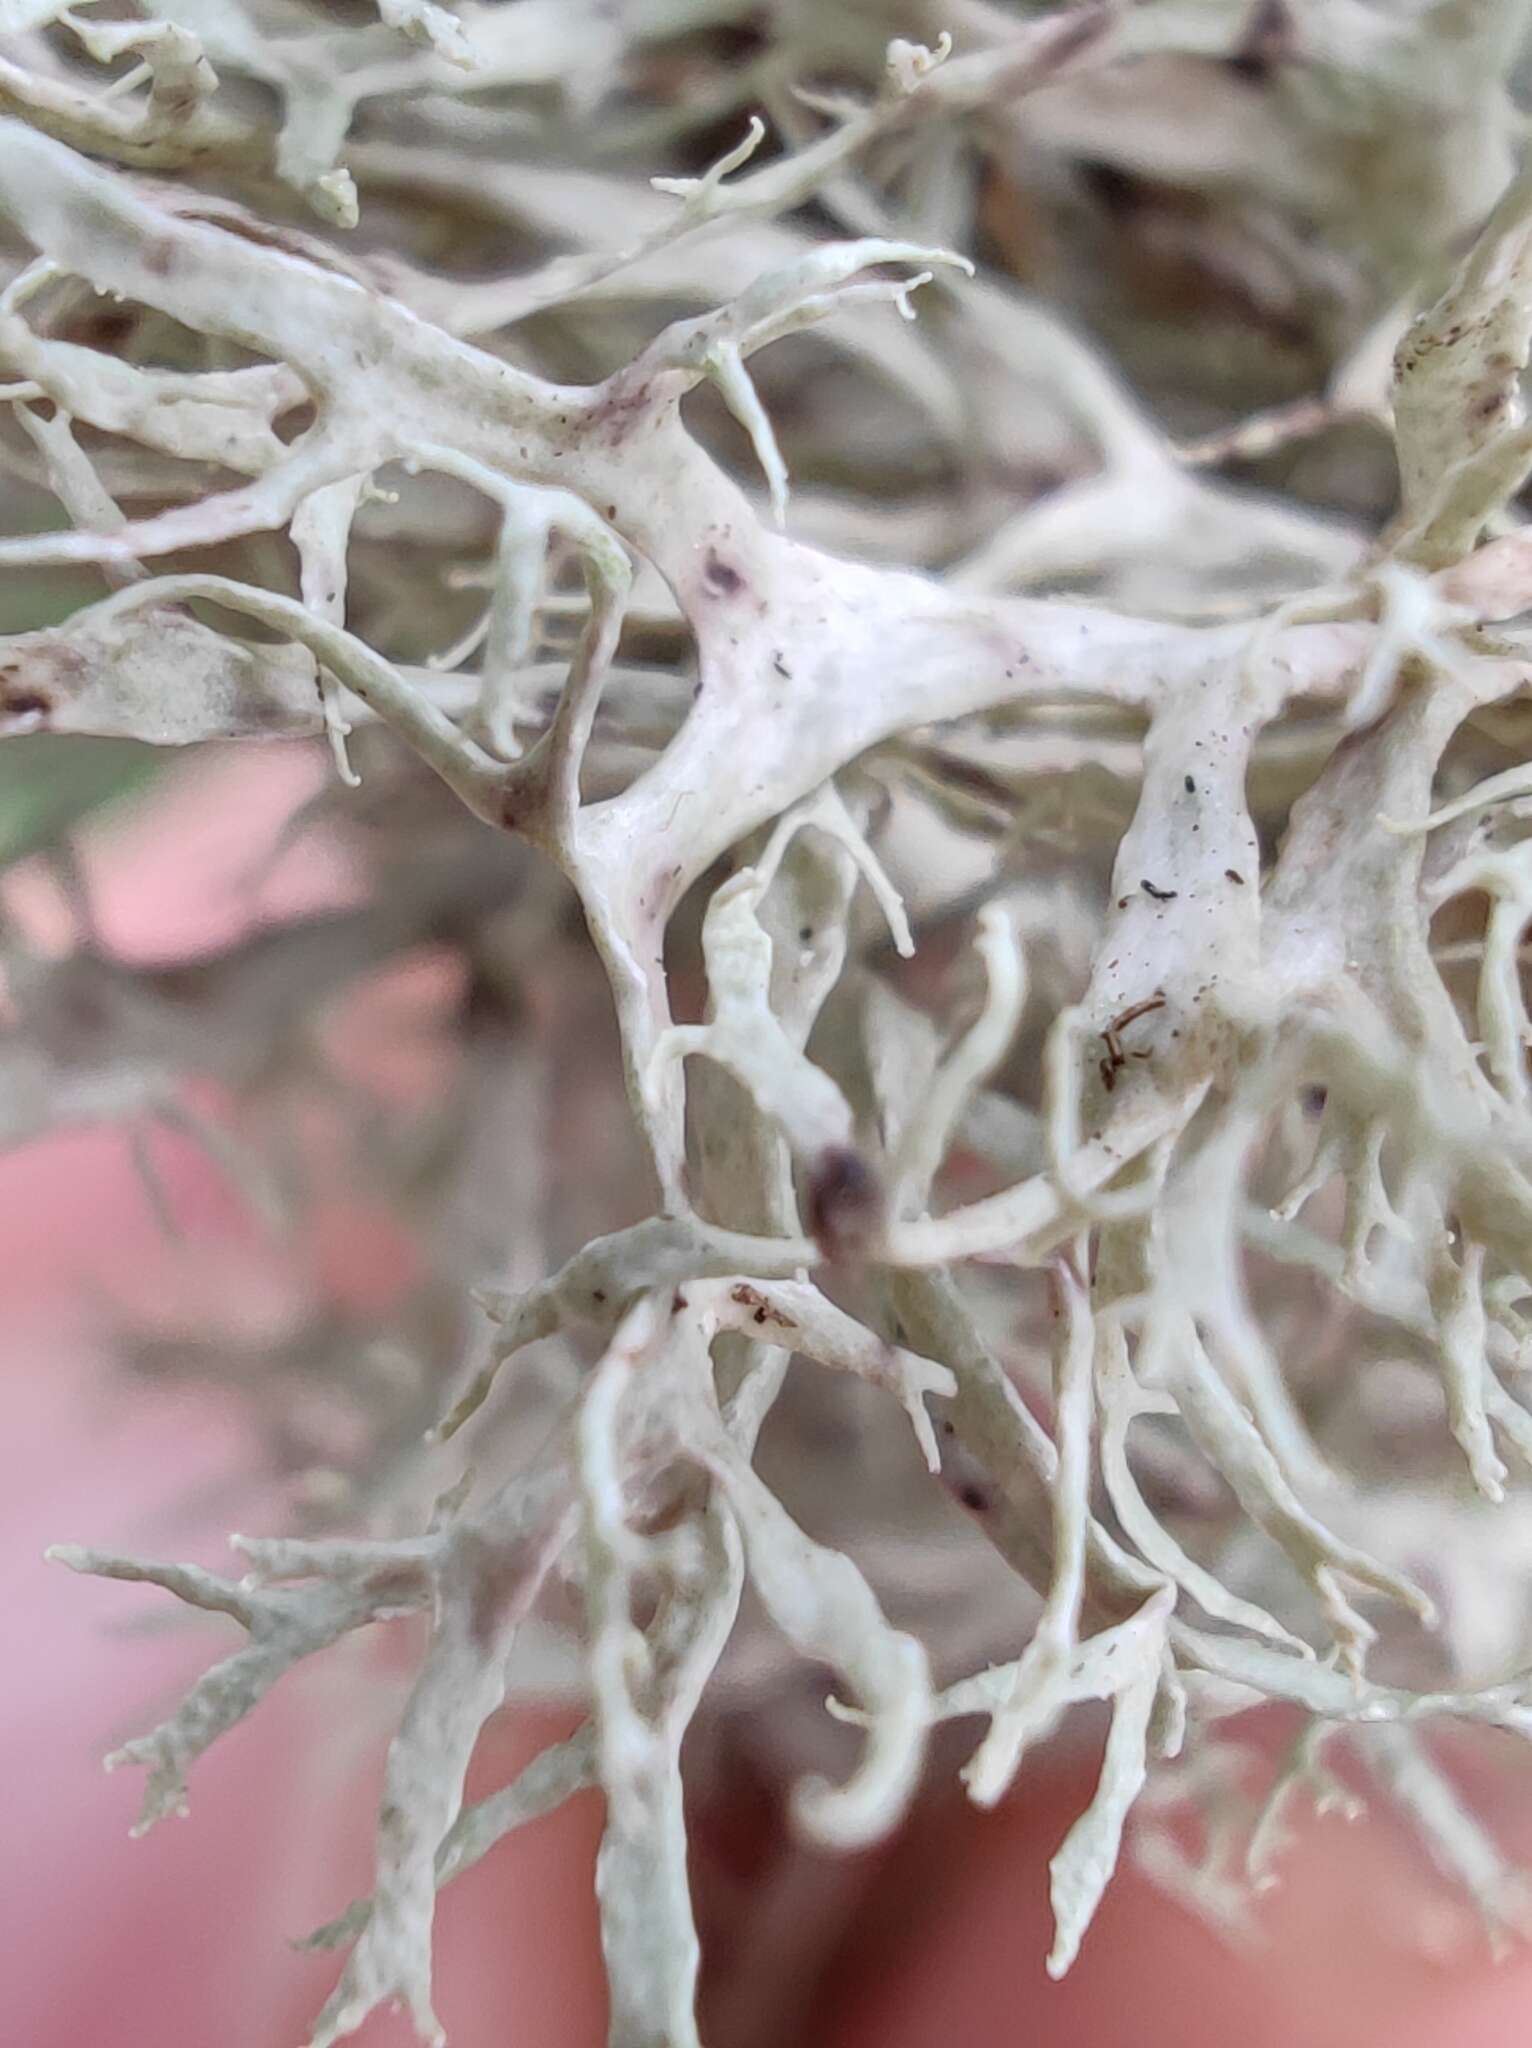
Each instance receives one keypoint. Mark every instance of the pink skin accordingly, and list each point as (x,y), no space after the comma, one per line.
(179,1940)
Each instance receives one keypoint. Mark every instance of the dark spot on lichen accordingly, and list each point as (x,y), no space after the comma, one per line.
(1159,895)
(973,1497)
(1191,785)
(721,577)
(1235,876)
(844,1202)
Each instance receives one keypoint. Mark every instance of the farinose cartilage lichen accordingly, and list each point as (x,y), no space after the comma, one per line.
(407,379)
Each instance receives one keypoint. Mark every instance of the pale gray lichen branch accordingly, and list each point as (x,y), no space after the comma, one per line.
(284,1625)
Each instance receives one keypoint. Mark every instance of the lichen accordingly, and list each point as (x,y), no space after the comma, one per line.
(1125,1211)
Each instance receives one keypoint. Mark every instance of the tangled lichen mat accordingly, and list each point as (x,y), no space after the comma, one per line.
(920,612)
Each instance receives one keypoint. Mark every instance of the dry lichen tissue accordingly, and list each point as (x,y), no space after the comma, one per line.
(958,605)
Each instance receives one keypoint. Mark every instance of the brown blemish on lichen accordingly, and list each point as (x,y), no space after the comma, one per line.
(751,1297)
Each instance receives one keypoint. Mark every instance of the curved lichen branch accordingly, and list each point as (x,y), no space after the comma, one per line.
(743,1033)
(645,1683)
(603,1281)
(925,1137)
(1459,421)
(824,1606)
(1040,1688)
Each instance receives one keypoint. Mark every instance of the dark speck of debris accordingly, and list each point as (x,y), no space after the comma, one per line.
(781,666)
(974,1497)
(677,1303)
(1235,876)
(805,933)
(598,1294)
(1122,902)
(1191,785)
(1159,895)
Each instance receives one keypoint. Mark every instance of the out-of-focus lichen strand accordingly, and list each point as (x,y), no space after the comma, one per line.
(789,680)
